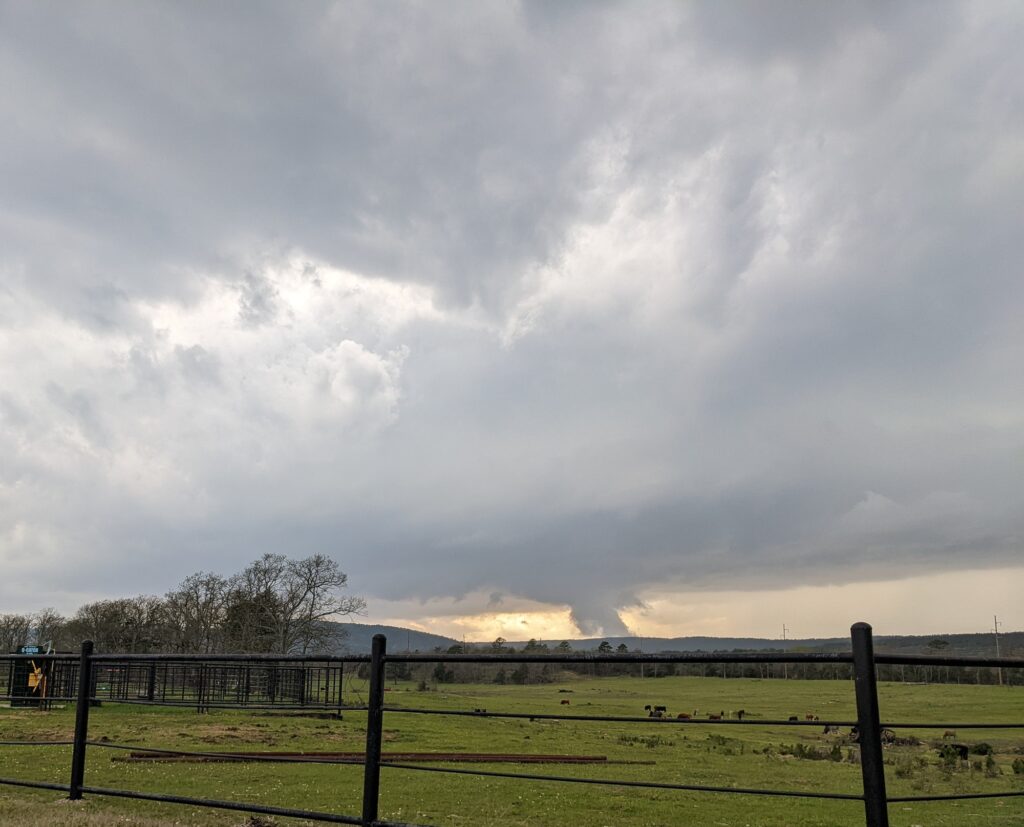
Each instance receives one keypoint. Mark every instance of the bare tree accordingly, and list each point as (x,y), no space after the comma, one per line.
(196,613)
(275,605)
(49,626)
(315,584)
(15,631)
(131,624)
(253,615)
(284,605)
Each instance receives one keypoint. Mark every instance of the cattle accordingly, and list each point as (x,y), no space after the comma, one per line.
(949,734)
(740,713)
(793,718)
(479,711)
(830,729)
(810,717)
(887,736)
(565,702)
(684,716)
(655,711)
(712,716)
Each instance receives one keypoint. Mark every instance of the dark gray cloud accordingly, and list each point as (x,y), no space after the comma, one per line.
(554,301)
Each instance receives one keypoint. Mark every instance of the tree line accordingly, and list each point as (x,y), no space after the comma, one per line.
(275,605)
(534,673)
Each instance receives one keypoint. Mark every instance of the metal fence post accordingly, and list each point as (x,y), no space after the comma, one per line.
(869,726)
(81,721)
(340,684)
(374,731)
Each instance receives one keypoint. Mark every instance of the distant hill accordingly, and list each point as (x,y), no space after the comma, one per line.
(359,637)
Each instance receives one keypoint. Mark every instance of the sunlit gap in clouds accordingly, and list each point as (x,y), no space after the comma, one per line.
(924,604)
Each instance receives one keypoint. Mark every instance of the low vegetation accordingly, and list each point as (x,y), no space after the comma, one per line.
(792,758)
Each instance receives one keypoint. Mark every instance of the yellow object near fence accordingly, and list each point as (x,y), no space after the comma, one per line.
(37,680)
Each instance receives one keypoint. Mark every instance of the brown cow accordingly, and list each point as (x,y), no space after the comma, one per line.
(565,702)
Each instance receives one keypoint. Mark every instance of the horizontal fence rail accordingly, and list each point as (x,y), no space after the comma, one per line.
(238,681)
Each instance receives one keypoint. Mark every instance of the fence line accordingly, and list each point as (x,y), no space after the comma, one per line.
(219,675)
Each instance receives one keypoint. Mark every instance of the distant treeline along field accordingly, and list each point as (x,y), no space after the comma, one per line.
(291,606)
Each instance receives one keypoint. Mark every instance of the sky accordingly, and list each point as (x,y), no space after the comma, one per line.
(543,320)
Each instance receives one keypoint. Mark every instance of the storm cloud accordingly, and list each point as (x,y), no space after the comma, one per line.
(558,301)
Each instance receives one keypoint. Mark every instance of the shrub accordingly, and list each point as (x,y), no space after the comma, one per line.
(904,769)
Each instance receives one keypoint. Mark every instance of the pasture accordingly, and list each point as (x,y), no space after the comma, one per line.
(789,758)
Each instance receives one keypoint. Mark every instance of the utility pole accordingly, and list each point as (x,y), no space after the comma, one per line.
(995,631)
(785,666)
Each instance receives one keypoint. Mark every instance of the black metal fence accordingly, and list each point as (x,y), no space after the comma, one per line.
(215,681)
(245,681)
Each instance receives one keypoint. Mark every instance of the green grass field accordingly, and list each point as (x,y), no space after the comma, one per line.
(742,756)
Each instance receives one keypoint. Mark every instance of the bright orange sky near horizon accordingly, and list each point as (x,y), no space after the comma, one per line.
(945,603)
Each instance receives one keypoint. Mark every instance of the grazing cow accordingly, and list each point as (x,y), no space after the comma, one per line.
(480,711)
(684,716)
(565,702)
(830,729)
(714,717)
(740,713)
(810,717)
(793,718)
(949,734)
(887,735)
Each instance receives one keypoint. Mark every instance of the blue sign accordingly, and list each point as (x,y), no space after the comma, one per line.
(30,650)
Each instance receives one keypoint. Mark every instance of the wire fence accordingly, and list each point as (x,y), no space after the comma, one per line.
(283,682)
